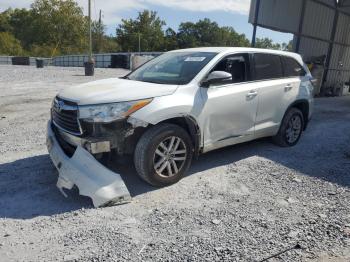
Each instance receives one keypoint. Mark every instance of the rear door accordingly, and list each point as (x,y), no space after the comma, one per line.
(295,73)
(273,90)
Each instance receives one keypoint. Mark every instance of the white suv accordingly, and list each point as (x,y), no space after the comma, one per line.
(184,103)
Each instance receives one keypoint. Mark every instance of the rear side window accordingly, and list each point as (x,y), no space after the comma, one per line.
(292,68)
(267,66)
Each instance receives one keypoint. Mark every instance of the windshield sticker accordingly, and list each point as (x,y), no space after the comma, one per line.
(195,59)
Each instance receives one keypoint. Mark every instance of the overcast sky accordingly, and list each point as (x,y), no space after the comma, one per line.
(224,12)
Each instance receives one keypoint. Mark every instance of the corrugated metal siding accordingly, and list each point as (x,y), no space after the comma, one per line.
(340,54)
(310,47)
(318,20)
(336,78)
(329,2)
(252,11)
(346,7)
(343,29)
(283,14)
(337,73)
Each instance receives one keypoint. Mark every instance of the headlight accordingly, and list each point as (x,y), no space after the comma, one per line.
(107,113)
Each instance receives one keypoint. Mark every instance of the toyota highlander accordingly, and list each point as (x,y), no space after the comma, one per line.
(173,108)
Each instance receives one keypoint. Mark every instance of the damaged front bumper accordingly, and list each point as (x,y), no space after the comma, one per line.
(93,179)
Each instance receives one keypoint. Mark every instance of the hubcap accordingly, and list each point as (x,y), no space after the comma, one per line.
(293,129)
(170,156)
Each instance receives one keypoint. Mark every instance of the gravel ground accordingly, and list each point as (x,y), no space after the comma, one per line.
(242,203)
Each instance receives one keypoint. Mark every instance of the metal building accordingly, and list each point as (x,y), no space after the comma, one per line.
(320,28)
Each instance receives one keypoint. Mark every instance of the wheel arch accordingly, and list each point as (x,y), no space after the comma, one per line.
(190,124)
(304,107)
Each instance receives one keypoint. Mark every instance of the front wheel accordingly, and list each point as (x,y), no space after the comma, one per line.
(290,129)
(163,154)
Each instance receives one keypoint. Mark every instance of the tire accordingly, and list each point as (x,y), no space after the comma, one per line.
(284,137)
(147,157)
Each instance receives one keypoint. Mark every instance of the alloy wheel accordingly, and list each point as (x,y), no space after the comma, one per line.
(170,156)
(293,129)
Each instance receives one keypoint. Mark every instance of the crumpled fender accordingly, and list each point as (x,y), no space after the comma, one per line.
(93,179)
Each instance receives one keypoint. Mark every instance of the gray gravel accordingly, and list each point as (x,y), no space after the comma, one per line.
(242,203)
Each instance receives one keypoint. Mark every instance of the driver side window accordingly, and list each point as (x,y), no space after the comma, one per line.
(236,65)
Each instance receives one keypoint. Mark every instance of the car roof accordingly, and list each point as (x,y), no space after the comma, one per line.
(227,50)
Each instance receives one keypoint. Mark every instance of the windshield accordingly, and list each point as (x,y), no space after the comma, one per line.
(176,68)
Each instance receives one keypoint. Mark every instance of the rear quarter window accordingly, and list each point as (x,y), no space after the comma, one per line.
(267,66)
(291,67)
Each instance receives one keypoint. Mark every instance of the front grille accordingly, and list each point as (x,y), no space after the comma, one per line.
(65,115)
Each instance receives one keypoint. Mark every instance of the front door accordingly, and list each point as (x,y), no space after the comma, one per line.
(230,107)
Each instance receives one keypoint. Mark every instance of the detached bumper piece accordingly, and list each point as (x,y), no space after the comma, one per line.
(103,186)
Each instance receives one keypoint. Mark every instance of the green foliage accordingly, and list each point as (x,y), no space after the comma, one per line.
(44,50)
(59,23)
(170,40)
(146,28)
(100,42)
(269,44)
(48,26)
(208,33)
(150,28)
(266,43)
(288,47)
(20,21)
(9,45)
(5,22)
(59,27)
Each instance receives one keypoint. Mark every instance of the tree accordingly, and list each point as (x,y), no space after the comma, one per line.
(208,33)
(100,42)
(21,23)
(187,35)
(9,45)
(48,26)
(59,27)
(147,27)
(170,42)
(5,22)
(61,24)
(267,43)
(288,47)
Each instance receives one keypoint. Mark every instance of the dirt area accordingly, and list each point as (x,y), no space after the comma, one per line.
(243,203)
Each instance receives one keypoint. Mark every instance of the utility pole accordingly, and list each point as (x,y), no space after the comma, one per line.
(139,43)
(100,31)
(90,34)
(90,64)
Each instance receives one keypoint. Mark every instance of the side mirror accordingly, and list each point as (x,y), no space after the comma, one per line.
(216,77)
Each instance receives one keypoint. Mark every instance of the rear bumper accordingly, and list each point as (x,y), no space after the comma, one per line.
(94,180)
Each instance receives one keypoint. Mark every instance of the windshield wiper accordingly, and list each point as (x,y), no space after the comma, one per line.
(152,81)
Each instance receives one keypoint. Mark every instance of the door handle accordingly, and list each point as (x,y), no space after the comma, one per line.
(252,94)
(288,87)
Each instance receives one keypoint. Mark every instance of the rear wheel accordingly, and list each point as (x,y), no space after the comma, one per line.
(290,129)
(163,154)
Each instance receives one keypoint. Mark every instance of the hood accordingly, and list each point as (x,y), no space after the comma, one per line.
(114,90)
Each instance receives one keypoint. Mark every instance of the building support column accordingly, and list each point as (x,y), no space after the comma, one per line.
(300,29)
(330,47)
(255,24)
